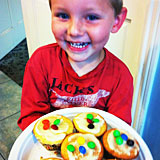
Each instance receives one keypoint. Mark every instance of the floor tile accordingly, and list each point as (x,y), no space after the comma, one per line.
(12,68)
(9,131)
(1,158)
(10,97)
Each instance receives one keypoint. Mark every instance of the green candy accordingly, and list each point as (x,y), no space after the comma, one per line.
(91,145)
(119,140)
(57,122)
(116,133)
(71,148)
(89,116)
(95,120)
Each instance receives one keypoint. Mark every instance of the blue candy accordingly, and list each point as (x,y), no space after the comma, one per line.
(124,137)
(82,149)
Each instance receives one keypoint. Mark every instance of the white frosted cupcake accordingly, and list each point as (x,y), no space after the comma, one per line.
(120,144)
(90,122)
(81,146)
(50,131)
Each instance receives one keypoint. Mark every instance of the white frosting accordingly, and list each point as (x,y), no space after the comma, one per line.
(81,120)
(51,136)
(91,154)
(123,148)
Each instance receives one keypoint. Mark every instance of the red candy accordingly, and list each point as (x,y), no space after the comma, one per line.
(89,121)
(54,127)
(45,121)
(46,126)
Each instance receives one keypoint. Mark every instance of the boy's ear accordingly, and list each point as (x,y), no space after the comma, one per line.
(119,20)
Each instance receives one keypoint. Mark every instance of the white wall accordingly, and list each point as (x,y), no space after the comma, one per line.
(37,18)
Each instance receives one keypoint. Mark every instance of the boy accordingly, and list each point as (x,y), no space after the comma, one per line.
(78,70)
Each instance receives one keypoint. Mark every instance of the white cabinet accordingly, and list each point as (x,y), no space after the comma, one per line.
(11,25)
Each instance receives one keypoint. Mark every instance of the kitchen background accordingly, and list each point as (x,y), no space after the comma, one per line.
(22,30)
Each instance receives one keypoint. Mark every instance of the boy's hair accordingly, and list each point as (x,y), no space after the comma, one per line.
(116,5)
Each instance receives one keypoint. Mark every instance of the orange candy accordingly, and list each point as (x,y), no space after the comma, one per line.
(46,124)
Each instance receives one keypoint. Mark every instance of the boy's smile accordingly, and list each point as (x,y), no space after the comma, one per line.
(82,28)
(78,46)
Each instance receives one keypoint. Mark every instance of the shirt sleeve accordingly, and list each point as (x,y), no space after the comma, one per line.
(120,101)
(34,100)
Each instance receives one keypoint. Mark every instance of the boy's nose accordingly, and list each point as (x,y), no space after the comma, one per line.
(75,28)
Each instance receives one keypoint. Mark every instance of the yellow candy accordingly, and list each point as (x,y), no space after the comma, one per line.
(81,140)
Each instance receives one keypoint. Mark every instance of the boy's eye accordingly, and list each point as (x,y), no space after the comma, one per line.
(62,15)
(92,17)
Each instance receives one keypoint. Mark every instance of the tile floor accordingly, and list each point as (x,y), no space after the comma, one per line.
(11,79)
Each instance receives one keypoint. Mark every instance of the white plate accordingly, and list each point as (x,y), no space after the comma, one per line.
(26,147)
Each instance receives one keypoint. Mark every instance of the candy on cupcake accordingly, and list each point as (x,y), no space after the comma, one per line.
(89,122)
(51,130)
(120,144)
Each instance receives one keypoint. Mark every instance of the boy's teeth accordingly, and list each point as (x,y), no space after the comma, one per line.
(78,45)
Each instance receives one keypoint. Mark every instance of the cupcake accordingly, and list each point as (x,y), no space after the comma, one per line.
(90,123)
(50,131)
(120,144)
(81,146)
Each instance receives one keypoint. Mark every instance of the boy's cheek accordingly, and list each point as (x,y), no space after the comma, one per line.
(57,29)
(99,35)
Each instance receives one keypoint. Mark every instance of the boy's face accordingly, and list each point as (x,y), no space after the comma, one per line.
(82,27)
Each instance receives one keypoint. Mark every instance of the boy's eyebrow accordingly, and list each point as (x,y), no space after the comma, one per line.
(89,9)
(59,8)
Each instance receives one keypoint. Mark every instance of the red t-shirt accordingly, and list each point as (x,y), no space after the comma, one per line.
(50,83)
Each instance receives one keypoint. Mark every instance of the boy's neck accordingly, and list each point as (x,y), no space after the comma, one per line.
(82,68)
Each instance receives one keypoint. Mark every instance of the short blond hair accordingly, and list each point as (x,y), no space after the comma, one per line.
(116,5)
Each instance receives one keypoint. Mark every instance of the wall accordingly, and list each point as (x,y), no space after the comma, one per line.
(148,121)
(147,64)
(37,21)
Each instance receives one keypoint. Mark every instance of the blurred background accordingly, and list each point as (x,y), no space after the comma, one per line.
(26,25)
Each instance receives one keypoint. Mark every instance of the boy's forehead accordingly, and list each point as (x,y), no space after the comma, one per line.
(73,1)
(80,3)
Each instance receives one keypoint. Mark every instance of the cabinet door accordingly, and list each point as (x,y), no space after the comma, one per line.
(11,25)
